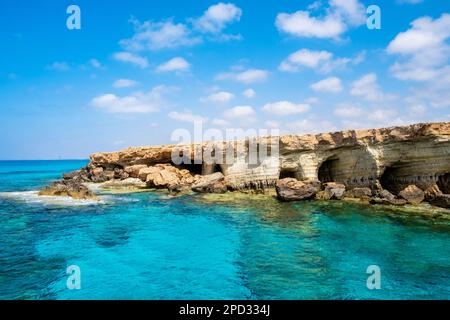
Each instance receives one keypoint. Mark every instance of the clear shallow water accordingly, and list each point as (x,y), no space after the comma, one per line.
(151,246)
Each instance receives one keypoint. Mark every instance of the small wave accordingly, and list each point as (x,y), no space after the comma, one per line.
(34,197)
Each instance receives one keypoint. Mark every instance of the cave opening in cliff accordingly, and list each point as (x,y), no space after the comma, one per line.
(193,168)
(390,180)
(284,173)
(327,170)
(443,183)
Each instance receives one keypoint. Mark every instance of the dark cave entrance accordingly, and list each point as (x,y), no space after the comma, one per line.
(287,174)
(444,183)
(327,170)
(392,178)
(193,168)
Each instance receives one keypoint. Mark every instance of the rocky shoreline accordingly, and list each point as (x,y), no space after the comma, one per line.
(391,166)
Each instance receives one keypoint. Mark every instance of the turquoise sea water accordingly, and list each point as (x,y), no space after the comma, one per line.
(152,246)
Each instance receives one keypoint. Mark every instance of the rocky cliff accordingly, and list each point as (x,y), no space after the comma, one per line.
(376,160)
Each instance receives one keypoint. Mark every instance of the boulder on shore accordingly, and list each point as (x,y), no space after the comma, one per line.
(167,176)
(412,194)
(69,188)
(359,193)
(212,183)
(291,189)
(331,190)
(133,171)
(387,198)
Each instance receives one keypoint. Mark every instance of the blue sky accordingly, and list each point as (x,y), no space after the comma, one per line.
(137,70)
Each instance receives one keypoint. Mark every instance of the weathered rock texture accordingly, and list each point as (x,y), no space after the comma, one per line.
(376,163)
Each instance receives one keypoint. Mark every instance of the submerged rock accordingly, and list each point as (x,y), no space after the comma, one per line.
(212,183)
(291,189)
(69,188)
(412,194)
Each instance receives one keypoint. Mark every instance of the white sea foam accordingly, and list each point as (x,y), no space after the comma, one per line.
(34,197)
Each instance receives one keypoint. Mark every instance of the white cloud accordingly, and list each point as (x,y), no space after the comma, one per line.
(347,111)
(367,88)
(221,96)
(301,24)
(284,108)
(216,17)
(220,122)
(382,115)
(247,76)
(423,48)
(272,124)
(249,93)
(340,15)
(138,102)
(332,84)
(159,35)
(132,58)
(59,66)
(174,64)
(321,61)
(239,112)
(352,12)
(310,125)
(124,83)
(168,34)
(186,116)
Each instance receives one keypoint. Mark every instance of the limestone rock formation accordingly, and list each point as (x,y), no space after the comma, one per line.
(359,193)
(386,165)
(168,176)
(212,183)
(128,183)
(133,171)
(412,194)
(387,198)
(331,190)
(69,188)
(291,189)
(442,200)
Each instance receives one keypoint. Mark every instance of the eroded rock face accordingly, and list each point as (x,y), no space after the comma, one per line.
(167,176)
(331,190)
(412,194)
(291,189)
(212,183)
(376,163)
(359,193)
(133,171)
(69,188)
(432,192)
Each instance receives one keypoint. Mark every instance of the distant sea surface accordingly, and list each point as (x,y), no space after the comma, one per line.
(149,245)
